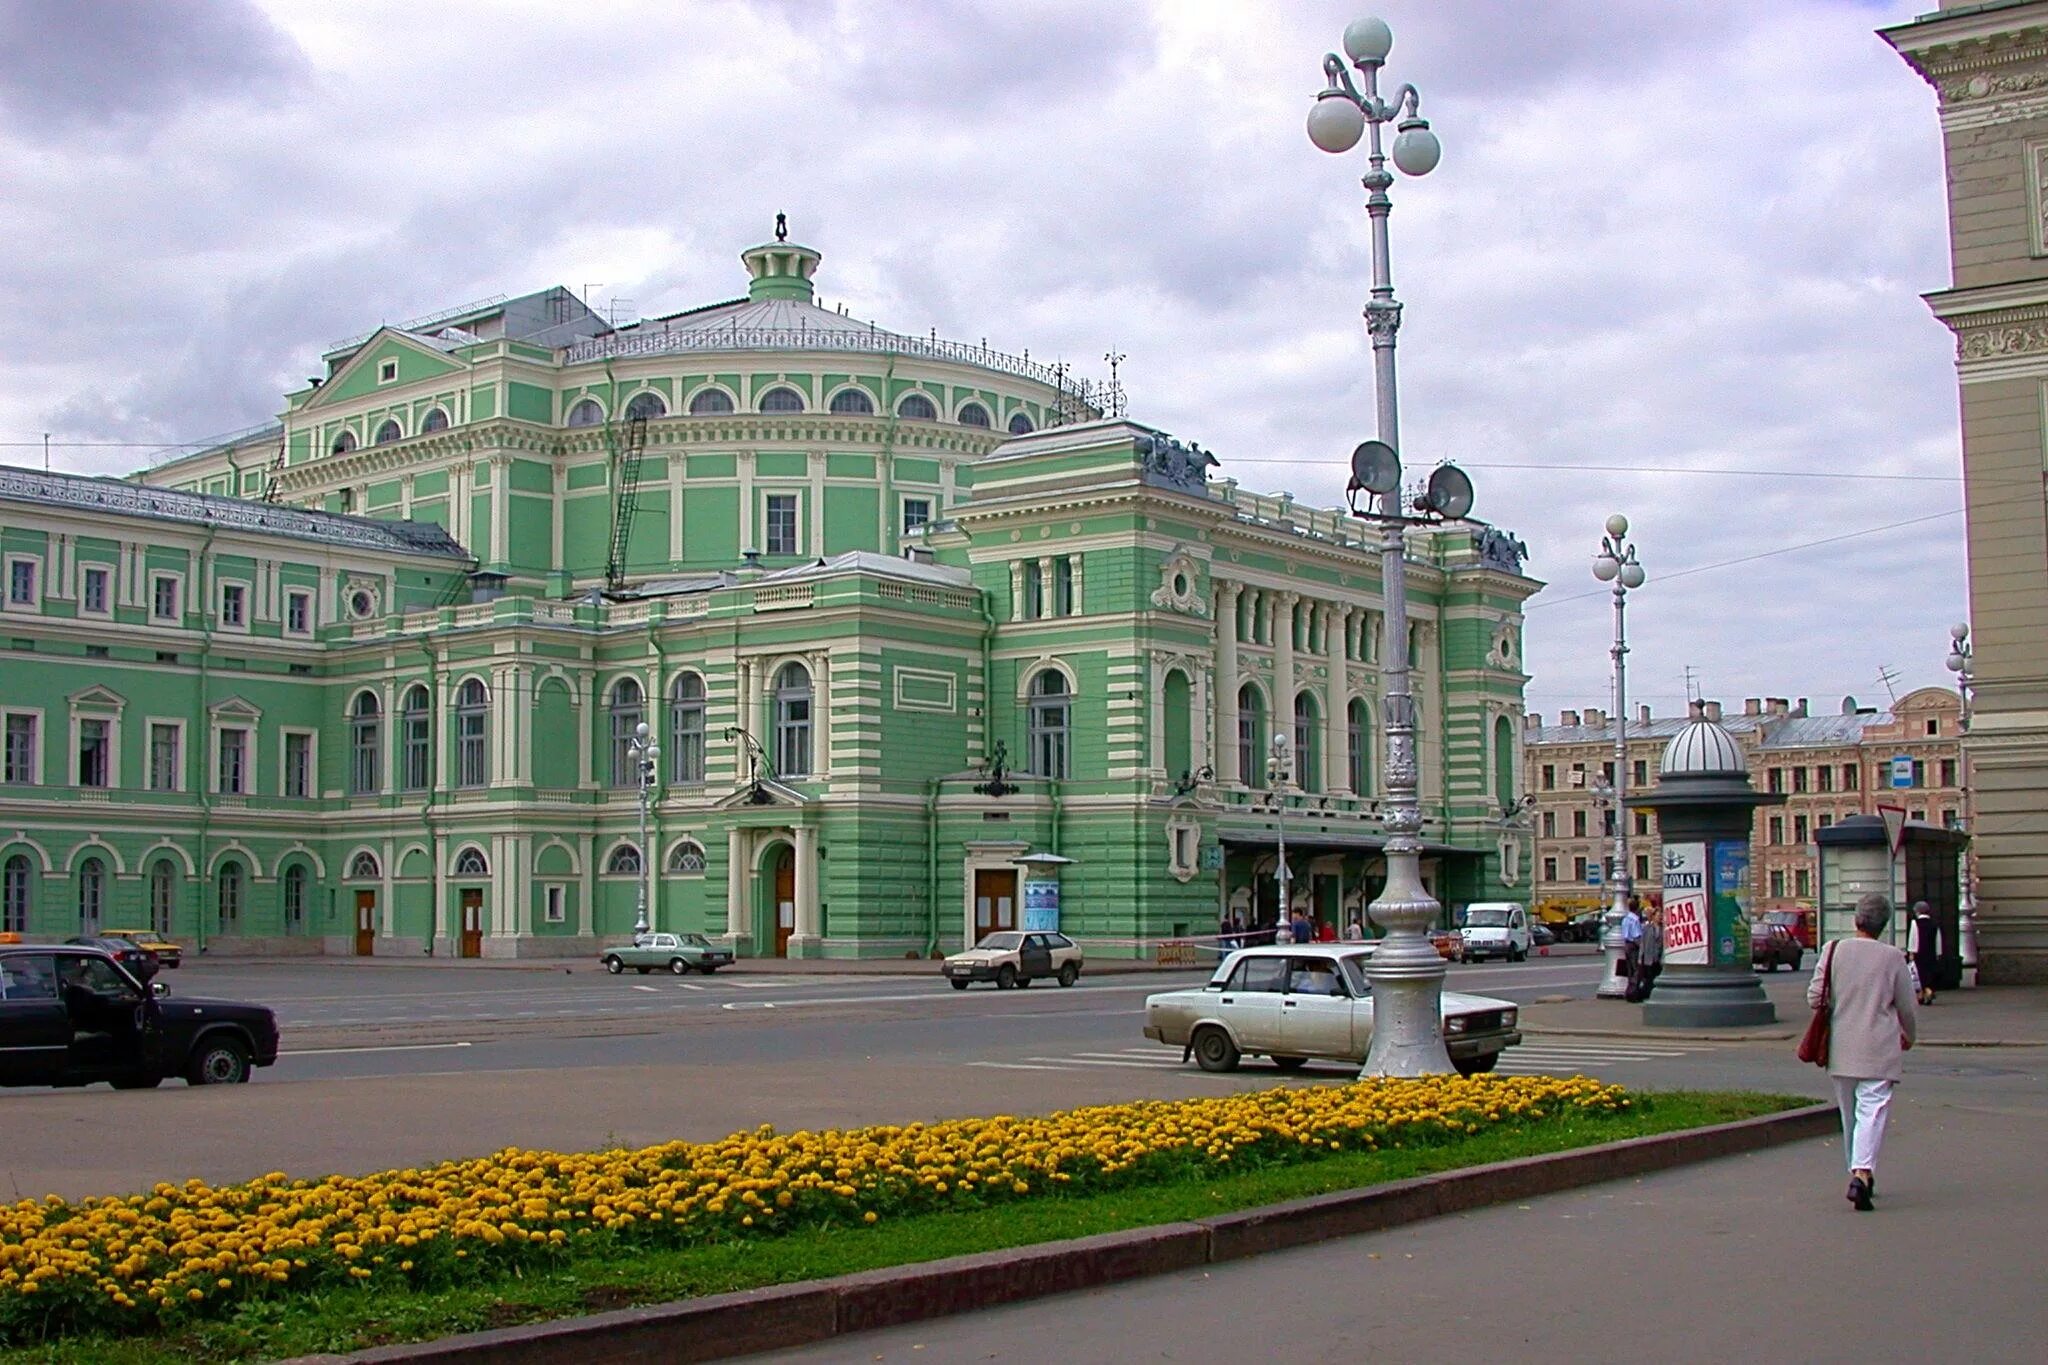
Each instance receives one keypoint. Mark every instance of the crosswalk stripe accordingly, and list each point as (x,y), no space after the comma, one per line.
(1162,1062)
(1615,1056)
(1015,1066)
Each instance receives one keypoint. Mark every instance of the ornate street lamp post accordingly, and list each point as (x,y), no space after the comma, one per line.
(645,755)
(1279,772)
(1962,662)
(1406,971)
(1616,564)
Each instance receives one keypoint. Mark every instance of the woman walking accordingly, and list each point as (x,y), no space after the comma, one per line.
(1867,986)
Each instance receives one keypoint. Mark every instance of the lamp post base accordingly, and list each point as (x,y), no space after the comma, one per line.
(1708,997)
(1407,976)
(1614,984)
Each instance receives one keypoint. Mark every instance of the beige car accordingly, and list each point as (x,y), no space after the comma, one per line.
(1012,957)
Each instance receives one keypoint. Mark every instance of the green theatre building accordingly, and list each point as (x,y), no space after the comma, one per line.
(913,622)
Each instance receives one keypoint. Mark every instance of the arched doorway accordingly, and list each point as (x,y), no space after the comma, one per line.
(780,865)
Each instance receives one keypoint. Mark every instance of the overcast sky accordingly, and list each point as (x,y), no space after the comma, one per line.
(1673,237)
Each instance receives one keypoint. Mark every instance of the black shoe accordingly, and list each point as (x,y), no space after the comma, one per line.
(1859,1195)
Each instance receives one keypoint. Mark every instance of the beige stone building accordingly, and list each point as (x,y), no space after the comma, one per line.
(1988,64)
(1827,767)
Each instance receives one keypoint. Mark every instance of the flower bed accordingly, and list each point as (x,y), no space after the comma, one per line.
(140,1261)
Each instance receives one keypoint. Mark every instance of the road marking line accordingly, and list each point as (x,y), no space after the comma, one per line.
(394,1047)
(644,988)
(688,986)
(1015,1066)
(1163,1064)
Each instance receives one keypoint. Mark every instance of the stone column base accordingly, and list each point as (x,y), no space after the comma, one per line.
(1708,997)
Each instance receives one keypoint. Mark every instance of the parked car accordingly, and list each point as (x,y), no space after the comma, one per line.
(1495,929)
(1295,1002)
(141,963)
(168,954)
(1800,922)
(1448,944)
(1772,946)
(71,1015)
(677,953)
(1011,957)
(1541,936)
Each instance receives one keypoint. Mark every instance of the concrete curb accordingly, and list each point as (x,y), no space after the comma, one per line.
(788,1316)
(1644,1035)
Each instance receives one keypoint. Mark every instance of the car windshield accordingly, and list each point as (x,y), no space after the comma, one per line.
(1353,969)
(1002,943)
(1486,919)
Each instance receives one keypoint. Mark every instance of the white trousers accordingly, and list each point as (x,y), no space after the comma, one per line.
(1865,1105)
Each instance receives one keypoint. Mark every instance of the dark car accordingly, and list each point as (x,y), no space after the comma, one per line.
(1542,936)
(71,1015)
(141,962)
(1773,945)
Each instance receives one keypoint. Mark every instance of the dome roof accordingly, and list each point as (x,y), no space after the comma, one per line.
(1702,747)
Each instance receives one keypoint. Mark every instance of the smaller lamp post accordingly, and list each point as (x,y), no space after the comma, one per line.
(1279,772)
(645,754)
(1616,564)
(1962,662)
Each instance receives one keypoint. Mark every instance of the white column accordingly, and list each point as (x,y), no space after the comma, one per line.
(821,713)
(736,884)
(806,927)
(1225,758)
(1283,673)
(1336,699)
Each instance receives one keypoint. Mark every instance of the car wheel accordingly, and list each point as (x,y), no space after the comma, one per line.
(218,1061)
(1795,962)
(1214,1051)
(1069,974)
(1473,1066)
(614,966)
(1006,977)
(959,985)
(1024,981)
(141,1080)
(1289,1063)
(643,970)
(678,966)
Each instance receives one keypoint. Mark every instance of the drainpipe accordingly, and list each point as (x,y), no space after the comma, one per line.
(931,871)
(434,709)
(649,854)
(199,733)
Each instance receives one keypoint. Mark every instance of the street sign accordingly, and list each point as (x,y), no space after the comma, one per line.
(1902,771)
(1592,876)
(1894,818)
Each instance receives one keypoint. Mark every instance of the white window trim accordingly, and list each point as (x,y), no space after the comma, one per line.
(42,763)
(931,512)
(220,605)
(312,762)
(34,605)
(112,716)
(179,780)
(796,492)
(387,370)
(312,619)
(251,757)
(178,594)
(113,582)
(554,902)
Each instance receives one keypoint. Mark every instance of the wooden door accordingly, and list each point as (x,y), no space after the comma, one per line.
(785,900)
(366,923)
(472,921)
(995,900)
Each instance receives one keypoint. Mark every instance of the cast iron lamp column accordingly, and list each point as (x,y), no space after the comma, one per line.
(1616,564)
(645,754)
(1406,972)
(1961,662)
(1278,773)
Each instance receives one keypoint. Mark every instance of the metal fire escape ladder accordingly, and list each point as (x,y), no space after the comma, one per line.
(626,494)
(270,489)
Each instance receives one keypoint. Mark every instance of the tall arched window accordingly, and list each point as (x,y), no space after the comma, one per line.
(92,894)
(1504,762)
(1049,722)
(163,893)
(15,895)
(624,862)
(793,721)
(365,743)
(387,432)
(417,735)
(917,408)
(472,734)
(363,867)
(710,402)
(1251,736)
(1020,425)
(227,890)
(973,415)
(782,399)
(645,407)
(344,443)
(854,402)
(626,712)
(1359,716)
(435,420)
(295,899)
(686,729)
(587,413)
(1308,747)
(1178,705)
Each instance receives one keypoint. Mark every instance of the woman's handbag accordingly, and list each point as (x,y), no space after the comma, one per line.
(1813,1046)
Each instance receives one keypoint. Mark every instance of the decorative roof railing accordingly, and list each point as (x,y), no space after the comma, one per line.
(164,455)
(415,324)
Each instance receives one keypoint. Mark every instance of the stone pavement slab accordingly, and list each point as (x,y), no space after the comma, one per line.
(1988,1016)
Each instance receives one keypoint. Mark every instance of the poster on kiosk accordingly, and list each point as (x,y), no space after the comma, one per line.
(1706,904)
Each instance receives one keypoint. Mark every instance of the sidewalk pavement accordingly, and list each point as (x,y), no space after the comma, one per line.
(750,966)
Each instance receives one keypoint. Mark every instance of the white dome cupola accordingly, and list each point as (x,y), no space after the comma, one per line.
(1702,749)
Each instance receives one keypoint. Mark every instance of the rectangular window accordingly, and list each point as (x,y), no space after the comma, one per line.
(167,656)
(1639,772)
(1824,778)
(1948,818)
(418,771)
(298,763)
(1777,883)
(1777,780)
(1550,777)
(1823,820)
(163,756)
(472,765)
(1799,829)
(1578,869)
(1802,882)
(387,370)
(298,613)
(93,595)
(1642,822)
(1933,726)
(782,524)
(1034,590)
(1798,780)
(98,652)
(1919,773)
(1607,772)
(917,513)
(95,742)
(1777,830)
(557,905)
(1550,869)
(234,762)
(234,603)
(1063,586)
(20,767)
(1850,773)
(1948,772)
(1578,824)
(1550,824)
(163,591)
(1607,823)
(1642,867)
(21,582)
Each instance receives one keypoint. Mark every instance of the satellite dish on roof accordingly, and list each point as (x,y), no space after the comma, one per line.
(1375,467)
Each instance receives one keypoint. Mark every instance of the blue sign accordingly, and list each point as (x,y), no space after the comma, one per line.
(1592,876)
(1902,771)
(1041,906)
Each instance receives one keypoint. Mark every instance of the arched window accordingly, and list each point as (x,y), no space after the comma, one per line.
(973,415)
(1047,723)
(854,401)
(1251,735)
(710,402)
(387,432)
(782,399)
(1308,748)
(917,408)
(1504,762)
(416,733)
(295,899)
(1177,704)
(227,890)
(793,721)
(363,867)
(365,743)
(686,729)
(470,863)
(645,407)
(472,734)
(1020,425)
(587,413)
(344,443)
(686,858)
(435,420)
(163,893)
(1360,728)
(92,894)
(624,862)
(14,895)
(627,714)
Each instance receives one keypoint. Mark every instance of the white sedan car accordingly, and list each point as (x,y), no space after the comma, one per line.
(1294,1002)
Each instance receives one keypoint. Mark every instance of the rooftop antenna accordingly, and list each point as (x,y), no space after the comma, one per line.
(1692,684)
(586,293)
(46,452)
(1889,676)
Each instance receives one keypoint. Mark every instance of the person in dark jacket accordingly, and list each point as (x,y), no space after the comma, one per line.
(1926,943)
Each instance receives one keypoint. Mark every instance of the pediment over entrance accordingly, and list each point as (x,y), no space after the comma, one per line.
(765,792)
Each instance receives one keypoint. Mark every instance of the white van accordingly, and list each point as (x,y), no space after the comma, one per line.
(1496,929)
